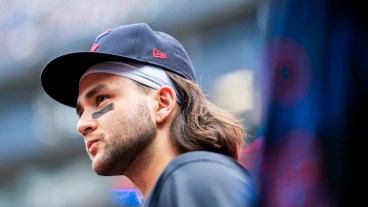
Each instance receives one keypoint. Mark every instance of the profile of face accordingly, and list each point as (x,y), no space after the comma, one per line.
(115,122)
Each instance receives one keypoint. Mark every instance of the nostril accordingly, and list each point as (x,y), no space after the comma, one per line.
(86,131)
(83,130)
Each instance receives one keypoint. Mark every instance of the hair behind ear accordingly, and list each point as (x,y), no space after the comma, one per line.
(200,125)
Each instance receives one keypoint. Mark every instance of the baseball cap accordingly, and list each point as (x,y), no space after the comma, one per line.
(127,43)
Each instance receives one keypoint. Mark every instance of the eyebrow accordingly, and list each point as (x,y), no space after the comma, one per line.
(89,94)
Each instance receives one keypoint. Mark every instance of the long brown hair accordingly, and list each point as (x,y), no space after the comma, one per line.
(200,125)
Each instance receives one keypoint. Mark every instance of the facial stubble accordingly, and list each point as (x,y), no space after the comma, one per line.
(133,135)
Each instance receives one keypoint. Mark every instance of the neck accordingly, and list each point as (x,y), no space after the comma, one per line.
(148,167)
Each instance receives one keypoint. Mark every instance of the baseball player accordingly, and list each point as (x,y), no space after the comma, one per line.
(143,115)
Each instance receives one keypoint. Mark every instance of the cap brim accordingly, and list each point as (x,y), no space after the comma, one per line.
(60,77)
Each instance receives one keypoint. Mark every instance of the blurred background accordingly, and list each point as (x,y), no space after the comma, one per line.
(293,70)
(43,161)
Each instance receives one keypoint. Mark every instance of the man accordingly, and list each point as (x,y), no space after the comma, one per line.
(143,115)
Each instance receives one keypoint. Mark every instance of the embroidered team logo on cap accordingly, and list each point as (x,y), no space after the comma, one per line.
(158,54)
(95,43)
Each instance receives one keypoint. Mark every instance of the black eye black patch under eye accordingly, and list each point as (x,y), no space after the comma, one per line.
(103,111)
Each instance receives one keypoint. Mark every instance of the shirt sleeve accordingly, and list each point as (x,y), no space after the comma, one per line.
(202,184)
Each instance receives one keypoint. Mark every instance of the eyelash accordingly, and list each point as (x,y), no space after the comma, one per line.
(100,99)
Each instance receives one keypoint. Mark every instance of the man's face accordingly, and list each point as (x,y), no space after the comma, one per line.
(115,121)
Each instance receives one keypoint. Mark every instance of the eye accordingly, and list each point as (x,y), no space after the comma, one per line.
(100,99)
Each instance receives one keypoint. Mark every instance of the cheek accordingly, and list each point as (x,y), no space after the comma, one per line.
(149,109)
(103,111)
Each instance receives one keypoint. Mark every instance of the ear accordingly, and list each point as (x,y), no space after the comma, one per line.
(166,99)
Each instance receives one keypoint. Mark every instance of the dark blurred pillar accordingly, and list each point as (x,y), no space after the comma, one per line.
(315,104)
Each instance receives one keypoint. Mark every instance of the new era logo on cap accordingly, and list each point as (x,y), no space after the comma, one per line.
(158,54)
(126,43)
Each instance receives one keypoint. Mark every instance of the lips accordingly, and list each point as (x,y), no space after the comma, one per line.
(89,145)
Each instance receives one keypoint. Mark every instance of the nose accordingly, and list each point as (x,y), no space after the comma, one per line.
(86,124)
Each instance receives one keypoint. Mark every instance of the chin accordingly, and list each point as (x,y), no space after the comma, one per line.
(101,167)
(101,170)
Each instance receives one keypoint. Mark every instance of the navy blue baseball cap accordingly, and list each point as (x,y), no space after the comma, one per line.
(127,43)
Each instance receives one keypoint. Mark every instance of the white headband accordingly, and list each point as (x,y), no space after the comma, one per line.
(148,75)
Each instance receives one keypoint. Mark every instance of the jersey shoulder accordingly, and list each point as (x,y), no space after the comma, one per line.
(203,179)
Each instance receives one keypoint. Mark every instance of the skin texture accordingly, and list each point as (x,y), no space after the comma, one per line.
(125,137)
(125,130)
(103,111)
